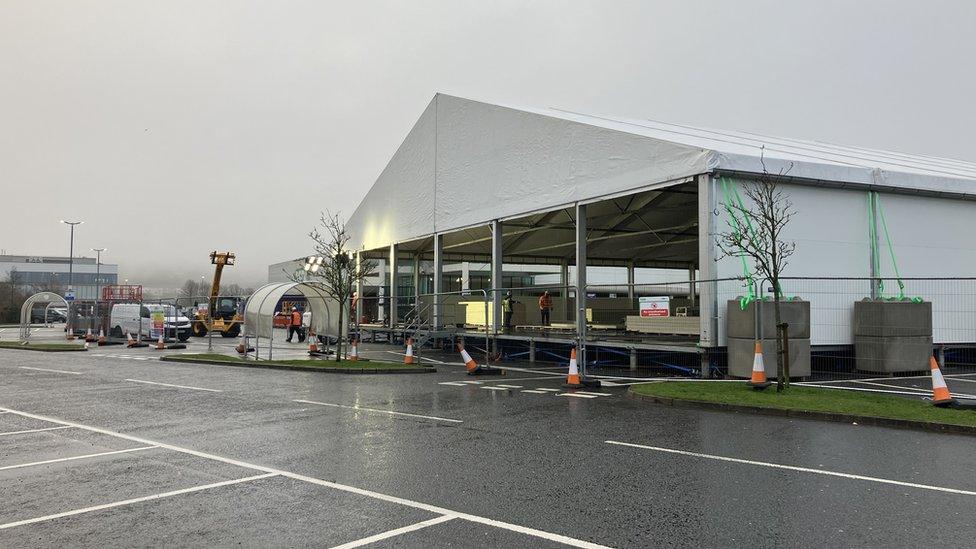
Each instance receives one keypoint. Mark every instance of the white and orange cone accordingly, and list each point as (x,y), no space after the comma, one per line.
(574,376)
(129,342)
(312,345)
(408,358)
(160,344)
(242,346)
(89,337)
(940,391)
(469,362)
(69,334)
(354,350)
(101,336)
(758,380)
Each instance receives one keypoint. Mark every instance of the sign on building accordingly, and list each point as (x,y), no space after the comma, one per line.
(655,305)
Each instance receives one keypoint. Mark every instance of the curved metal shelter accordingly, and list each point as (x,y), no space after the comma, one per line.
(260,310)
(25,310)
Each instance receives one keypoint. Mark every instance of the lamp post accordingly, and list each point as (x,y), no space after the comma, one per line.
(71,252)
(98,269)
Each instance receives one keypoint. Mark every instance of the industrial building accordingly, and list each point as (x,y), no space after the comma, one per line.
(86,275)
(544,190)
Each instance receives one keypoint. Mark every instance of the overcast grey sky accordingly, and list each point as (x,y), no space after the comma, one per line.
(233,123)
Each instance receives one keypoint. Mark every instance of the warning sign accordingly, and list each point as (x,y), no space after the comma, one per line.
(655,305)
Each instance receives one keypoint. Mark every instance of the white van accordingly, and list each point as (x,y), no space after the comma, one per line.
(137,319)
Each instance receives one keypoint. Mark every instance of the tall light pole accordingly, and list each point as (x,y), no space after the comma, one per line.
(98,270)
(71,253)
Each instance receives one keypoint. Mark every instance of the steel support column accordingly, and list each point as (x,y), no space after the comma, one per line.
(359,288)
(438,279)
(708,291)
(394,268)
(496,273)
(580,287)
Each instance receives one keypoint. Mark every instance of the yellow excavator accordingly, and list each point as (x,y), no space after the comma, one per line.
(222,313)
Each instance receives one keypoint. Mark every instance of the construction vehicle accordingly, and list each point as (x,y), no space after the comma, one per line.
(222,314)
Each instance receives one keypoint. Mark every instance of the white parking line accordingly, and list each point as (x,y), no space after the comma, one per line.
(494,388)
(347,407)
(534,391)
(134,500)
(50,370)
(542,534)
(472,382)
(393,533)
(799,469)
(509,386)
(177,386)
(577,395)
(33,430)
(548,390)
(454,383)
(72,458)
(594,393)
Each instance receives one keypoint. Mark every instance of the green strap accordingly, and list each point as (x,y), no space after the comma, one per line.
(891,253)
(737,227)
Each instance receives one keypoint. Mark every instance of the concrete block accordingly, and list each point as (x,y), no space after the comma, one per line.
(892,354)
(742,323)
(742,351)
(878,318)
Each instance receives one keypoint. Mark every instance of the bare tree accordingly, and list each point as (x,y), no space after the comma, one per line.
(755,231)
(340,273)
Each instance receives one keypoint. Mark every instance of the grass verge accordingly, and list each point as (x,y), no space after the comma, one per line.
(44,347)
(324,364)
(809,399)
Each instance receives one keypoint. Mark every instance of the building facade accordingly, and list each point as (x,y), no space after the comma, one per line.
(35,272)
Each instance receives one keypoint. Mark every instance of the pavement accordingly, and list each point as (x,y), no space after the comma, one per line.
(113,447)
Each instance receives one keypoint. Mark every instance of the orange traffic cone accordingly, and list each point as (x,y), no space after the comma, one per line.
(129,342)
(940,391)
(758,380)
(354,350)
(408,358)
(69,334)
(469,362)
(101,336)
(573,378)
(242,346)
(160,344)
(313,348)
(89,337)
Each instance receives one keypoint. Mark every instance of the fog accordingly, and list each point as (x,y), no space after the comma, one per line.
(176,128)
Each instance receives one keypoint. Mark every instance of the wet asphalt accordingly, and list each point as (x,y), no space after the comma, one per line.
(537,460)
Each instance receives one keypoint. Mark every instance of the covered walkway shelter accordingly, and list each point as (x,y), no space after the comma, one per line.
(513,186)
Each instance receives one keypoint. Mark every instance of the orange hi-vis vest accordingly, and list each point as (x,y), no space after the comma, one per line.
(296,318)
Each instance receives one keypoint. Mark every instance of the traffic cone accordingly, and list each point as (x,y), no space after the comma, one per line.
(940,391)
(241,346)
(69,334)
(101,336)
(89,337)
(354,350)
(573,379)
(469,362)
(758,380)
(313,348)
(129,342)
(408,358)
(160,344)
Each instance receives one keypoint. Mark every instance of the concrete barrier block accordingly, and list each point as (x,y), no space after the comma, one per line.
(892,354)
(742,351)
(878,318)
(742,323)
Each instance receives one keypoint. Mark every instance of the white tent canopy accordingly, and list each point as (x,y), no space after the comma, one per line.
(466,163)
(260,310)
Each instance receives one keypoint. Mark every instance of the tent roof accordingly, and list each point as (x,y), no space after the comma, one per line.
(466,163)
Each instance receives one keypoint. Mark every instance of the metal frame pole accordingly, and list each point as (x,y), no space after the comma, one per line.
(581,288)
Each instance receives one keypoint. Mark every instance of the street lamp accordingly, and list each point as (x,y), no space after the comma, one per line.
(313,264)
(71,253)
(98,269)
